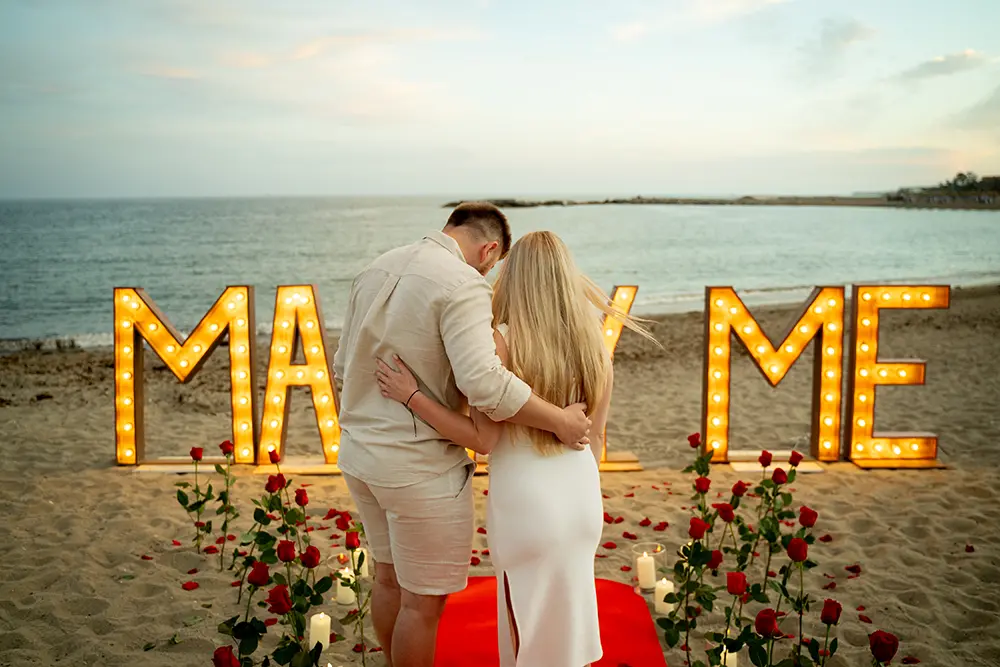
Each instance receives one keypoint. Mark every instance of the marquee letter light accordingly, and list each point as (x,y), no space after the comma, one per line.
(297,318)
(138,319)
(821,320)
(885,450)
(622,298)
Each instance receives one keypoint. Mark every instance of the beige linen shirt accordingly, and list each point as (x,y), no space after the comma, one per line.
(424,303)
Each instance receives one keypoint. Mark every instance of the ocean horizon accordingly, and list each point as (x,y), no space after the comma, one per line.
(61,258)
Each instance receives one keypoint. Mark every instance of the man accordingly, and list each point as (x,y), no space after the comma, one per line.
(429,303)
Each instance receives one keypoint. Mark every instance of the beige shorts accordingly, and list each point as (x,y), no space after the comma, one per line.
(424,530)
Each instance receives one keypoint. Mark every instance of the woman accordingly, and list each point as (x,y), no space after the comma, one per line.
(545,513)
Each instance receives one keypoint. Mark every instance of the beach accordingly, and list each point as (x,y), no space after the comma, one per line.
(75,589)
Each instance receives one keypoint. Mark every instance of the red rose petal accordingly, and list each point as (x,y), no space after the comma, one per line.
(231,538)
(335,544)
(969,548)
(830,586)
(236,583)
(176,543)
(655,487)
(660,527)
(619,519)
(475,560)
(475,551)
(486,552)
(189,585)
(853,576)
(605,496)
(305,486)
(864,619)
(220,540)
(630,495)
(780,614)
(626,568)
(608,518)
(599,556)
(310,529)
(481,530)
(826,538)
(334,536)
(270,621)
(358,648)
(772,574)
(211,549)
(861,608)
(331,514)
(242,553)
(853,569)
(645,522)
(630,536)
(609,545)
(910,660)
(146,557)
(193,570)
(486,492)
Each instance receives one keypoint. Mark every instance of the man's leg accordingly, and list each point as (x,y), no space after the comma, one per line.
(415,636)
(385,607)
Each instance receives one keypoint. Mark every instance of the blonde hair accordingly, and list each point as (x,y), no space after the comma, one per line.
(555,339)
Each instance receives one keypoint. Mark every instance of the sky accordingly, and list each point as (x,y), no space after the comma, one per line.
(158,98)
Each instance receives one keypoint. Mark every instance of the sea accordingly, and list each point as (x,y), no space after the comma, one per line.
(60,259)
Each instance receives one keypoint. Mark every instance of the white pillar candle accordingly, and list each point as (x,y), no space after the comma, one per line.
(319,630)
(345,594)
(729,659)
(363,568)
(663,588)
(645,566)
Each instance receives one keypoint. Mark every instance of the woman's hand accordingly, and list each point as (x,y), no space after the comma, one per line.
(398,385)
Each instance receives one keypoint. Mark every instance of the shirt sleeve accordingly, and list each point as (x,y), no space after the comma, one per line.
(467,332)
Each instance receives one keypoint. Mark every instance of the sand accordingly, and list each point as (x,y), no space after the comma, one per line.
(74,590)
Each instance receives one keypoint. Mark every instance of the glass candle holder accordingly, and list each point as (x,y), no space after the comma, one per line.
(648,558)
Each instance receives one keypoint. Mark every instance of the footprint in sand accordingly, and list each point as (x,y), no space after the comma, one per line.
(85,606)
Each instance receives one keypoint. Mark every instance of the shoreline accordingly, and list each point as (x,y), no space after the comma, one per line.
(781,200)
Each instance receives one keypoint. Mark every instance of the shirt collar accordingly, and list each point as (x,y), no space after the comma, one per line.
(446,242)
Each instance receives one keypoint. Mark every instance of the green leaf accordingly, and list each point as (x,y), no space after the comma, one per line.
(284,654)
(673,637)
(174,640)
(323,585)
(261,517)
(671,598)
(182,498)
(182,485)
(126,577)
(814,649)
(192,620)
(302,659)
(249,644)
(270,557)
(226,627)
(149,646)
(758,656)
(786,499)
(219,469)
(279,579)
(833,647)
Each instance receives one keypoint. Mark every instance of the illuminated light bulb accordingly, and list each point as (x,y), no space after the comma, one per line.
(274,424)
(270,448)
(300,375)
(828,421)
(128,453)
(865,322)
(878,448)
(718,350)
(213,327)
(733,310)
(184,363)
(127,427)
(864,347)
(925,296)
(623,296)
(171,348)
(862,423)
(902,374)
(127,350)
(282,349)
(197,348)
(335,447)
(279,374)
(717,375)
(885,296)
(827,444)
(231,306)
(804,329)
(286,324)
(906,296)
(719,327)
(126,324)
(896,450)
(818,309)
(866,296)
(775,368)
(831,326)
(914,446)
(761,349)
(245,427)
(609,332)
(310,324)
(717,398)
(863,398)
(241,322)
(832,303)
(288,300)
(883,373)
(830,397)
(330,423)
(789,349)
(126,375)
(715,444)
(325,399)
(242,375)
(720,303)
(125,298)
(747,329)
(320,374)
(246,452)
(276,399)
(135,305)
(243,400)
(860,447)
(127,401)
(831,350)
(830,374)
(863,372)
(239,296)
(716,421)
(314,349)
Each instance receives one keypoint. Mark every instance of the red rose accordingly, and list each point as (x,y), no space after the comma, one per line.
(278,600)
(343,523)
(831,612)
(274,456)
(694,440)
(286,551)
(275,483)
(807,517)
(725,511)
(739,488)
(352,541)
(766,624)
(715,561)
(697,528)
(764,458)
(301,497)
(883,645)
(310,557)
(779,477)
(736,583)
(224,657)
(227,447)
(259,576)
(196,453)
(795,459)
(798,550)
(701,484)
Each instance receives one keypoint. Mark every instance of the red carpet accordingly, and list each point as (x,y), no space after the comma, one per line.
(467,636)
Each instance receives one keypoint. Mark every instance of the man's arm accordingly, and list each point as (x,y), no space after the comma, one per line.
(467,332)
(339,356)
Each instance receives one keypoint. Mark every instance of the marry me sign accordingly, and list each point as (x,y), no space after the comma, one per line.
(846,369)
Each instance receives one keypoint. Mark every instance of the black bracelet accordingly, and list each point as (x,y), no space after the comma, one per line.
(407,404)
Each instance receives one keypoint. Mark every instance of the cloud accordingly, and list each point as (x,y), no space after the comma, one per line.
(982,116)
(693,13)
(836,38)
(168,72)
(953,63)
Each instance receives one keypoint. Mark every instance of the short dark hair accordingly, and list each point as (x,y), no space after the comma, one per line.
(485,218)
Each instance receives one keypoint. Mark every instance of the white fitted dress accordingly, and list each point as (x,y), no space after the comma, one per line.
(544,520)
